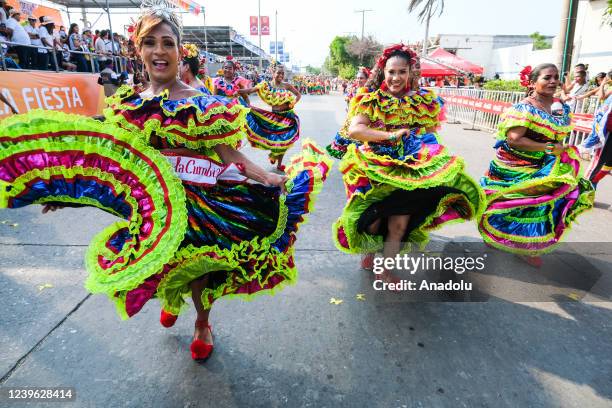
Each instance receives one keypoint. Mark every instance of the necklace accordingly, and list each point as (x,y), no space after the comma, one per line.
(538,104)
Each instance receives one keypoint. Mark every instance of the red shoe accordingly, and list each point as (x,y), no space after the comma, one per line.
(281,167)
(367,262)
(201,351)
(167,319)
(534,261)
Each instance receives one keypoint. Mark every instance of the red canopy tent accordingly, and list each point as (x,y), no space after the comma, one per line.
(432,69)
(451,60)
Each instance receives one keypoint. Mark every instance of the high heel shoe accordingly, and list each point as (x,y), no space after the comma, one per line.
(281,167)
(167,319)
(367,262)
(201,351)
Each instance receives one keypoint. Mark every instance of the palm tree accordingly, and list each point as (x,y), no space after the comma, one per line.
(429,8)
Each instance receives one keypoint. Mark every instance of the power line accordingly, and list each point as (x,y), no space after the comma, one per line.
(362,11)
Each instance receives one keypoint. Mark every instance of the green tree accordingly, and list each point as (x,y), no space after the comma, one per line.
(607,15)
(347,72)
(540,42)
(313,70)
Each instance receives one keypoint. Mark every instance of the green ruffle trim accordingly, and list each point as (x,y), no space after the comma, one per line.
(177,132)
(274,96)
(421,110)
(561,174)
(248,260)
(123,276)
(386,179)
(515,117)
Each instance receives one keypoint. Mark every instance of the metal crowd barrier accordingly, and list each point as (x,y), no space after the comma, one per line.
(118,61)
(482,118)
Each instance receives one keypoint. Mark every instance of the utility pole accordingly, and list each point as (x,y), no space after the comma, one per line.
(276,35)
(565,43)
(259,31)
(363,11)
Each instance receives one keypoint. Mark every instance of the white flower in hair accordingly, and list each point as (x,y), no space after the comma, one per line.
(163,9)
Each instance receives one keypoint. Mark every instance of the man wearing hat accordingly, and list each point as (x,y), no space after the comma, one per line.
(45,32)
(20,37)
(34,40)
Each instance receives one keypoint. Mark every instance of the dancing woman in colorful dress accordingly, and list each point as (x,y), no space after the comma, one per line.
(230,82)
(279,129)
(401,182)
(534,186)
(164,162)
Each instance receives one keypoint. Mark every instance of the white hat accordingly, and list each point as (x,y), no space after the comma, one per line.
(46,20)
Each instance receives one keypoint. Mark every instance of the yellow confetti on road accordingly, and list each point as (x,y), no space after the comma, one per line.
(45,286)
(335,301)
(574,296)
(14,225)
(360,296)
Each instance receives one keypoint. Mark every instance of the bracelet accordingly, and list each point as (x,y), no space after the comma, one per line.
(549,148)
(392,137)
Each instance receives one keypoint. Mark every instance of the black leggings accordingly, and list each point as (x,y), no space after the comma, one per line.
(604,159)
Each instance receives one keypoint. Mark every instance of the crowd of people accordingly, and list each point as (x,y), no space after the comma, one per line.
(73,49)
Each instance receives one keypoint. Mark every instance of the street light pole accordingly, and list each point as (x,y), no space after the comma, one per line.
(276,35)
(363,11)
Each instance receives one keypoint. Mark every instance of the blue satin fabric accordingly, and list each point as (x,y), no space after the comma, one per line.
(405,149)
(270,129)
(75,188)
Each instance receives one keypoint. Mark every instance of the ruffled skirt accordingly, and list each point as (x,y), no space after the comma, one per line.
(273,131)
(532,199)
(337,148)
(239,233)
(383,180)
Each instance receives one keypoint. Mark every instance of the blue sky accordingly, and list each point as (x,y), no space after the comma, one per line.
(308,26)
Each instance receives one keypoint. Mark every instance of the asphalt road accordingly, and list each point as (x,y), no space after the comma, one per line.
(528,338)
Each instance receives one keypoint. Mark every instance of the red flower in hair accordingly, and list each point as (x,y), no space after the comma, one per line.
(229,58)
(524,74)
(382,61)
(366,71)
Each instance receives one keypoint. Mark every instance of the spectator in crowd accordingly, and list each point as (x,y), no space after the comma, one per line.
(3,12)
(73,32)
(20,37)
(62,33)
(579,87)
(79,59)
(599,79)
(87,44)
(65,57)
(45,33)
(101,46)
(32,32)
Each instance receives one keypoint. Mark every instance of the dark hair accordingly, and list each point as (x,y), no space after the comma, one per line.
(535,73)
(378,74)
(72,27)
(194,65)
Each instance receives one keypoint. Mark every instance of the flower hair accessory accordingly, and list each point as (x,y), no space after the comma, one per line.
(524,74)
(190,50)
(382,60)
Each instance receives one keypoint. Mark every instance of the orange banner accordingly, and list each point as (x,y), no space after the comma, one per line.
(37,10)
(74,93)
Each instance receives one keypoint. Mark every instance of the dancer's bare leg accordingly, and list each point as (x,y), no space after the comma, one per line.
(201,333)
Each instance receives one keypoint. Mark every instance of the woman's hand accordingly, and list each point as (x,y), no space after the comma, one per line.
(558,149)
(273,179)
(399,135)
(51,207)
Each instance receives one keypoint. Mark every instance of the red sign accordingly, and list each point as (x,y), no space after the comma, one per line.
(265,25)
(253,24)
(583,122)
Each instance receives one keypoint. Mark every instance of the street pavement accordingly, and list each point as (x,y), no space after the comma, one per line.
(529,337)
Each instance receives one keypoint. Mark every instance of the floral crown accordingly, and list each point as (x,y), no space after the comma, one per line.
(524,74)
(402,48)
(190,50)
(162,9)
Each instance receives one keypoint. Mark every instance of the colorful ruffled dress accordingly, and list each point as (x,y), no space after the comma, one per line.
(416,176)
(275,130)
(533,197)
(598,143)
(337,148)
(230,89)
(173,230)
